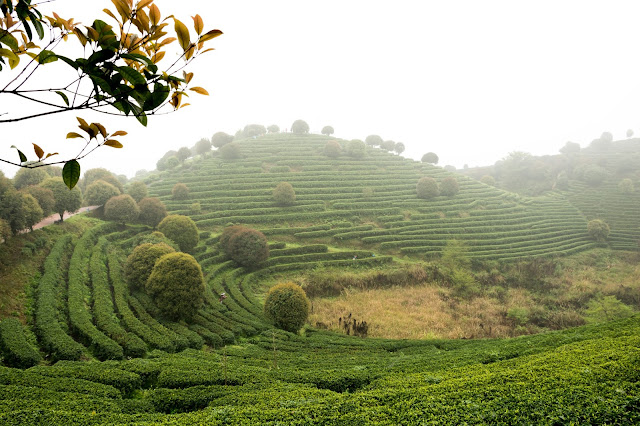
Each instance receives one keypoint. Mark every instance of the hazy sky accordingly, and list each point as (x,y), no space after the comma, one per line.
(470,80)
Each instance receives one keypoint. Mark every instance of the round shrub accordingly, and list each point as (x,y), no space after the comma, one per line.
(99,192)
(176,285)
(248,247)
(180,191)
(449,186)
(332,149)
(594,175)
(226,235)
(138,190)
(488,180)
(388,145)
(181,230)
(220,139)
(140,263)
(287,306)
(300,127)
(356,148)
(626,186)
(152,211)
(284,194)
(598,230)
(327,130)
(230,151)
(373,140)
(430,157)
(121,209)
(427,187)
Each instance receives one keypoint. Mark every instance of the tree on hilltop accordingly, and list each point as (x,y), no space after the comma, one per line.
(202,146)
(300,127)
(399,148)
(388,145)
(220,139)
(430,157)
(274,128)
(327,130)
(183,154)
(117,72)
(373,140)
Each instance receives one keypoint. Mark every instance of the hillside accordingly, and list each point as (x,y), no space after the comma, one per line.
(90,349)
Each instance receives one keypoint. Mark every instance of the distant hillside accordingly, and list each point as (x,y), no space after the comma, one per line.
(370,202)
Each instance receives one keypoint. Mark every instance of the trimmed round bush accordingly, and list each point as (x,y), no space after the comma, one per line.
(598,230)
(327,130)
(300,127)
(121,209)
(373,140)
(356,148)
(180,191)
(332,149)
(287,306)
(226,235)
(152,211)
(449,186)
(99,192)
(230,151)
(138,190)
(176,285)
(248,247)
(181,230)
(284,194)
(427,187)
(140,263)
(430,157)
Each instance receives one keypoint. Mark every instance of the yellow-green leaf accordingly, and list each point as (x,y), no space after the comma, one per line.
(103,131)
(113,143)
(83,124)
(39,152)
(154,14)
(200,90)
(14,60)
(123,9)
(183,34)
(119,133)
(72,135)
(210,34)
(50,155)
(198,24)
(143,3)
(81,36)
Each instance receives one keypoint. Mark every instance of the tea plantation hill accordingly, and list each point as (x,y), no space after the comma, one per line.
(370,203)
(92,351)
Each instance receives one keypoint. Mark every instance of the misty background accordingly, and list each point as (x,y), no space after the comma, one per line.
(471,81)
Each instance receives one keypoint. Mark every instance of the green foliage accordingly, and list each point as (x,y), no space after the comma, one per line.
(284,194)
(373,140)
(388,145)
(300,127)
(183,154)
(93,175)
(598,230)
(177,285)
(25,177)
(430,157)
(16,349)
(332,149)
(219,139)
(66,200)
(5,229)
(246,246)
(202,146)
(12,210)
(140,263)
(274,128)
(32,211)
(180,191)
(230,151)
(180,229)
(562,181)
(488,180)
(44,197)
(356,148)
(138,190)
(99,192)
(449,186)
(152,211)
(287,306)
(327,130)
(594,175)
(606,308)
(626,186)
(251,131)
(427,187)
(399,148)
(121,208)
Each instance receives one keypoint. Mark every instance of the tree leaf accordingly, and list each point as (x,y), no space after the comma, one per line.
(132,76)
(23,158)
(154,14)
(200,90)
(198,24)
(210,34)
(8,39)
(100,127)
(83,124)
(143,3)
(120,133)
(14,60)
(113,143)
(63,96)
(72,135)
(46,56)
(71,173)
(39,152)
(50,155)
(183,34)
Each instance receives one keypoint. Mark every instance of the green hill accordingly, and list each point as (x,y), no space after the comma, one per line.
(92,351)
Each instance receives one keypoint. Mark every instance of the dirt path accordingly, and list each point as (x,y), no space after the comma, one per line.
(55,217)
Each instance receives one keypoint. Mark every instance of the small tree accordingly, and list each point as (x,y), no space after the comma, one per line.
(287,306)
(202,146)
(220,139)
(12,210)
(176,285)
(141,261)
(253,131)
(65,200)
(332,149)
(248,247)
(594,175)
(488,180)
(626,186)
(180,191)
(99,192)
(570,148)
(284,194)
(449,186)
(606,308)
(430,157)
(121,208)
(356,148)
(183,154)
(273,128)
(598,230)
(230,151)
(152,211)
(44,197)
(226,235)
(373,140)
(388,145)
(427,187)
(93,175)
(327,130)
(300,127)
(26,177)
(138,190)
(181,230)
(399,148)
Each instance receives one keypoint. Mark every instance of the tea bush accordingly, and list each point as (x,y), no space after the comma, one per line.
(287,306)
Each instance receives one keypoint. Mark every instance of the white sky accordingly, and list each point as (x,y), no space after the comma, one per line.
(470,80)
